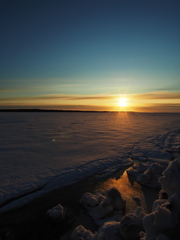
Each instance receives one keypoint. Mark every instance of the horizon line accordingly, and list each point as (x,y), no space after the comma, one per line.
(71,110)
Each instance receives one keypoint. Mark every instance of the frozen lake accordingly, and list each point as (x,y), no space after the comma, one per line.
(41,151)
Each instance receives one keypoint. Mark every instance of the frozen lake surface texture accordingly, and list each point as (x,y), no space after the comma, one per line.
(43,151)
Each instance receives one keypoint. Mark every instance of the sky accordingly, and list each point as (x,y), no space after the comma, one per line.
(86,54)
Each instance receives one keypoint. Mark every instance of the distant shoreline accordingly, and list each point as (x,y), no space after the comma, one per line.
(53,110)
(79,111)
(45,110)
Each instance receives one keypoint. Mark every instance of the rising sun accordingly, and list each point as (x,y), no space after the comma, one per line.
(123,102)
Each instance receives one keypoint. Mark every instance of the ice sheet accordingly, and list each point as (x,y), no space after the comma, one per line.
(42,151)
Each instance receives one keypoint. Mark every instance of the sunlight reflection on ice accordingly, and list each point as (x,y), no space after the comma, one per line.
(132,193)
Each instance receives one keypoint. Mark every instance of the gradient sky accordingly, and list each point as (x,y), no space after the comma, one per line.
(72,54)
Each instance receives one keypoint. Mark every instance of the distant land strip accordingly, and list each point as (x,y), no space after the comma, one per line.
(80,111)
(47,110)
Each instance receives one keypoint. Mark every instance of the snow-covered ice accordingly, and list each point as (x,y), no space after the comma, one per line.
(44,151)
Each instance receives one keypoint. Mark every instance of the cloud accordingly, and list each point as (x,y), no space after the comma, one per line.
(10,90)
(77,97)
(170,88)
(59,97)
(141,96)
(92,97)
(19,90)
(157,95)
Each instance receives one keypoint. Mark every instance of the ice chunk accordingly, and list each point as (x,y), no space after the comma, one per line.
(81,233)
(147,175)
(157,203)
(171,178)
(151,175)
(115,216)
(162,237)
(116,199)
(162,219)
(131,225)
(173,205)
(109,231)
(56,212)
(148,224)
(91,200)
(102,204)
(101,211)
(137,169)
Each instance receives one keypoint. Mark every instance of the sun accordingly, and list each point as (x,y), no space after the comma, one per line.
(123,102)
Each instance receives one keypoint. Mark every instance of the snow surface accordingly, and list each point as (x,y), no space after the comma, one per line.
(44,151)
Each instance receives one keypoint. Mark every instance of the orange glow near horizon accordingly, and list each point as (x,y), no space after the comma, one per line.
(147,102)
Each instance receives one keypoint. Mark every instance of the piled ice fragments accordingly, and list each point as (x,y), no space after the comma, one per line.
(160,224)
(166,210)
(104,205)
(147,174)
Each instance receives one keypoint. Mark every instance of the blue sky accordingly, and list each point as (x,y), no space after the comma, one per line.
(74,49)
